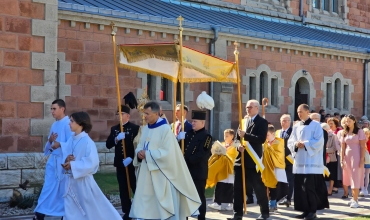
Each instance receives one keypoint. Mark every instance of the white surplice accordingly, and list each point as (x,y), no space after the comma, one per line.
(165,189)
(308,160)
(83,199)
(50,201)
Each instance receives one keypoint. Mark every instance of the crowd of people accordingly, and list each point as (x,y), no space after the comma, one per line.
(168,168)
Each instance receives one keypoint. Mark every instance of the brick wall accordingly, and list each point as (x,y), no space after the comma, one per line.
(92,77)
(288,65)
(16,75)
(359,13)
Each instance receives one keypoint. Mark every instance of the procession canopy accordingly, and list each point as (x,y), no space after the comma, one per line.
(162,59)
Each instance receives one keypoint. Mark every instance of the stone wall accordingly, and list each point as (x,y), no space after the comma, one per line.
(16,76)
(359,13)
(16,168)
(88,47)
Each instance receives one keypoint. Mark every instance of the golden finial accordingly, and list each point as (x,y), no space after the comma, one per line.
(180,19)
(236,44)
(112,24)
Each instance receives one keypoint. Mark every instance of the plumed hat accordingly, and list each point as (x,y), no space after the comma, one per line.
(198,115)
(130,100)
(205,101)
(125,109)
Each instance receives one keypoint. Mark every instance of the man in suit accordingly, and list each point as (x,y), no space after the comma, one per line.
(196,153)
(115,138)
(254,132)
(178,125)
(284,133)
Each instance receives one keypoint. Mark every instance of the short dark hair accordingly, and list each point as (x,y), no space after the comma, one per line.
(153,105)
(271,128)
(305,107)
(185,107)
(336,113)
(82,119)
(60,103)
(321,111)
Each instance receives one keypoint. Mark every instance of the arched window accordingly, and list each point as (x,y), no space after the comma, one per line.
(263,85)
(252,87)
(329,94)
(337,94)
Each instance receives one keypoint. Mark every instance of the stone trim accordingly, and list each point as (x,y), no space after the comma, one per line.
(344,81)
(297,75)
(48,61)
(208,34)
(329,16)
(270,75)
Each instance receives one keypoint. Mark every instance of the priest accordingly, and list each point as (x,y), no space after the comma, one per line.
(306,143)
(165,188)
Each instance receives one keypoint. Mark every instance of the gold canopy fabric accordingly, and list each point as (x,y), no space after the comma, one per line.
(163,60)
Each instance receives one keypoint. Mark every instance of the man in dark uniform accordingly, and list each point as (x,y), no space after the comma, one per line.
(197,152)
(115,138)
(254,132)
(285,191)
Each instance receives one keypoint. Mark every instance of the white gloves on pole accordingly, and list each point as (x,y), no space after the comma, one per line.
(181,135)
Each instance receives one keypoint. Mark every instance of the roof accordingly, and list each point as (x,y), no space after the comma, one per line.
(201,16)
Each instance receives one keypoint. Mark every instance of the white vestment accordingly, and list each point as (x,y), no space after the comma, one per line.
(50,201)
(83,199)
(308,160)
(165,189)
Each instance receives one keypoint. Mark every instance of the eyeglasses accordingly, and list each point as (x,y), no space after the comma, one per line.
(249,107)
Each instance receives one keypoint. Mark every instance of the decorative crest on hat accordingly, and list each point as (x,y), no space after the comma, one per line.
(204,101)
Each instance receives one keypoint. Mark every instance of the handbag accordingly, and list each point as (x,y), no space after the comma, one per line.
(367,157)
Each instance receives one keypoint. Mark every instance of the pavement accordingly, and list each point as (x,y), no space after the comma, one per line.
(338,210)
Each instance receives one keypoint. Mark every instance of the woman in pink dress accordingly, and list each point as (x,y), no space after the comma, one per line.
(353,146)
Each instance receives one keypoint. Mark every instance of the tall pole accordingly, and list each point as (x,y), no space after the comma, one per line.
(119,103)
(180,19)
(236,53)
(264,103)
(174,107)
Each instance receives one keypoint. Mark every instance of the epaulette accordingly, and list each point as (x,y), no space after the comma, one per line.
(208,141)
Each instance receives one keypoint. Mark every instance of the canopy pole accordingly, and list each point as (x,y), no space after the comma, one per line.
(119,102)
(180,19)
(236,53)
(174,106)
(265,102)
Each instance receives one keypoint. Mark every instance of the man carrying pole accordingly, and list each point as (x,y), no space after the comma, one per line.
(115,140)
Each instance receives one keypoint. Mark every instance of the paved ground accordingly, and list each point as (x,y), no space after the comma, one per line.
(338,210)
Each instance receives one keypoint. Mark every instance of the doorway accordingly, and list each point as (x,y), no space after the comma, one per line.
(301,96)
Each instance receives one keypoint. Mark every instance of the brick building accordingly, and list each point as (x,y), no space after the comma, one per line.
(291,51)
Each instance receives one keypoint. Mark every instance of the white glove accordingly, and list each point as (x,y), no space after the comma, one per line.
(127,161)
(181,135)
(120,136)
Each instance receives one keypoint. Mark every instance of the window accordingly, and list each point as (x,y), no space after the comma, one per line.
(163,93)
(252,87)
(263,86)
(335,6)
(149,86)
(325,5)
(328,95)
(274,91)
(316,4)
(337,94)
(178,93)
(345,97)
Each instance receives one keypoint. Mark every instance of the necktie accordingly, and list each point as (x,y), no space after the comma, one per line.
(283,134)
(178,128)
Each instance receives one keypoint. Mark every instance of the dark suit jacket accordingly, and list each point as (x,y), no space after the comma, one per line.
(187,126)
(287,151)
(256,135)
(197,152)
(131,131)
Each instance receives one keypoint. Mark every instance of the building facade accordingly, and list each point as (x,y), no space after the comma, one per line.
(291,52)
